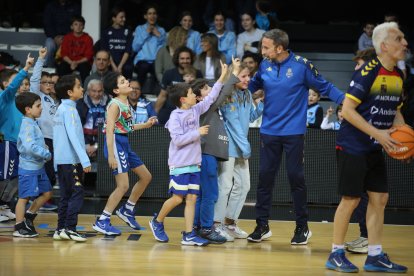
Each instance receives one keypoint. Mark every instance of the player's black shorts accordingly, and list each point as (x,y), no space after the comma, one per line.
(360,173)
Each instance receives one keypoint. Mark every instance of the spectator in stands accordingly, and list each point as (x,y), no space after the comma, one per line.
(360,142)
(102,63)
(315,111)
(76,50)
(189,74)
(25,86)
(328,124)
(143,108)
(266,18)
(226,39)
(208,62)
(365,40)
(117,40)
(183,57)
(164,61)
(193,37)
(56,21)
(54,77)
(248,41)
(148,39)
(252,62)
(284,126)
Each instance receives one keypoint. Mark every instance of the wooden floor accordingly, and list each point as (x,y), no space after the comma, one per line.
(137,253)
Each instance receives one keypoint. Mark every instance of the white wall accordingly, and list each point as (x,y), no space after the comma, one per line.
(91,11)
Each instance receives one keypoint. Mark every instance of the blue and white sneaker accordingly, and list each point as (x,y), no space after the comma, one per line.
(157,229)
(48,207)
(382,263)
(104,226)
(193,239)
(129,218)
(337,261)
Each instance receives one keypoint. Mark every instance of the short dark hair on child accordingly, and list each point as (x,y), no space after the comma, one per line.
(26,99)
(63,85)
(197,85)
(338,108)
(45,74)
(5,76)
(110,83)
(177,91)
(77,18)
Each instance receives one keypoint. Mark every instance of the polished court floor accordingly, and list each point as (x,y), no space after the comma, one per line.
(137,253)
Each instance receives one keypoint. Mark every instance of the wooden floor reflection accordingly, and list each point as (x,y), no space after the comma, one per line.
(137,253)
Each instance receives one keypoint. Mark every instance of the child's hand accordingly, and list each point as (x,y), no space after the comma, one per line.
(152,121)
(42,52)
(87,169)
(224,69)
(204,130)
(329,112)
(29,62)
(236,63)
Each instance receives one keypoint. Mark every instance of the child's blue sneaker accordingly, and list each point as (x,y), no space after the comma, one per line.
(104,226)
(337,261)
(157,229)
(382,263)
(192,239)
(129,218)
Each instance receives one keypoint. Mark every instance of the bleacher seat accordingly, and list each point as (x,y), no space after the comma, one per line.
(3,47)
(20,51)
(11,29)
(31,30)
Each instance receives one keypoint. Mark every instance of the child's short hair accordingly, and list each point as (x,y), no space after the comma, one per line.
(316,91)
(63,85)
(111,82)
(77,18)
(5,76)
(177,91)
(24,100)
(197,85)
(338,108)
(190,70)
(45,74)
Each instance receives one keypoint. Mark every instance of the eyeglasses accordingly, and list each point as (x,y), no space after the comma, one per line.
(47,82)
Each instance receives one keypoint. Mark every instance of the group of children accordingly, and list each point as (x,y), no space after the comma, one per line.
(207,126)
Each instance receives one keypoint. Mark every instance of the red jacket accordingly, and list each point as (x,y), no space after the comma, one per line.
(77,48)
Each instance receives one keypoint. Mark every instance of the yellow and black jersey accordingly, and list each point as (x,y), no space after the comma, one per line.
(378,92)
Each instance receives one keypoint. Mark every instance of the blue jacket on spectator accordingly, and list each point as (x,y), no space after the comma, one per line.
(227,44)
(143,111)
(194,41)
(68,140)
(31,146)
(147,45)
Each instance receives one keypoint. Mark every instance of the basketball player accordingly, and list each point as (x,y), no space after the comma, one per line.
(371,108)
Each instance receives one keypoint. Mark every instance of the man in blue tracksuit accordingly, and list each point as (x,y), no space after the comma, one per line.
(286,79)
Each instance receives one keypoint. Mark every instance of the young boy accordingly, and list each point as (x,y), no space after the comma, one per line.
(70,157)
(332,125)
(76,50)
(185,157)
(315,111)
(33,153)
(10,121)
(119,122)
(190,74)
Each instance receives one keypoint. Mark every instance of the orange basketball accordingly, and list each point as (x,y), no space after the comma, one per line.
(405,135)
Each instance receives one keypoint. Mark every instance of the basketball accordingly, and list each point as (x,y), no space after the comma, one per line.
(405,135)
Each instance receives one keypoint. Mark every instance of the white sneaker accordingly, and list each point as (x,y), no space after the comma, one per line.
(56,235)
(236,232)
(221,229)
(5,211)
(4,218)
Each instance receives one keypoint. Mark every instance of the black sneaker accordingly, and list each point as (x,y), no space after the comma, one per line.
(261,232)
(301,236)
(22,231)
(29,218)
(212,235)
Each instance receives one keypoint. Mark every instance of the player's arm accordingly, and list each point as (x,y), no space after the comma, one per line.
(112,116)
(399,119)
(353,117)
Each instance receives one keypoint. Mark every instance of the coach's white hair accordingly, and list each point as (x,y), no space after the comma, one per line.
(380,34)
